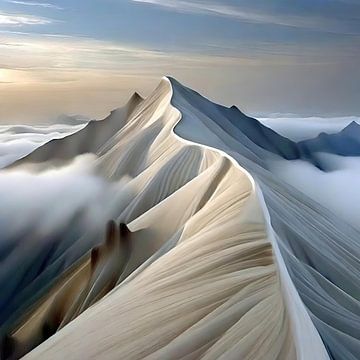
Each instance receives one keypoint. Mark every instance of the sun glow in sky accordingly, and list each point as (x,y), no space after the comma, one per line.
(4,75)
(264,56)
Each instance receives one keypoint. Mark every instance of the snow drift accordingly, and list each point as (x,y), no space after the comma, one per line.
(208,254)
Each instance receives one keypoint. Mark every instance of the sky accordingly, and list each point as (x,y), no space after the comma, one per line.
(270,58)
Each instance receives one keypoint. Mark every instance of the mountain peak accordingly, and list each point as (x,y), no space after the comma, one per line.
(353,126)
(136,97)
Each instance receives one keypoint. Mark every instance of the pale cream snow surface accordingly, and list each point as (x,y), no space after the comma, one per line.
(225,260)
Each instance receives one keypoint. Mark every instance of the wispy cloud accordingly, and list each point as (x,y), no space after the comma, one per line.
(253,15)
(32,58)
(12,32)
(34,3)
(206,8)
(9,19)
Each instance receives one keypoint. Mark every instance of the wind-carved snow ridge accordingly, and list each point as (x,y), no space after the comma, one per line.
(307,340)
(219,258)
(333,306)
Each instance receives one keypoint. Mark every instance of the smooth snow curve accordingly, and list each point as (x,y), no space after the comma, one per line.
(219,259)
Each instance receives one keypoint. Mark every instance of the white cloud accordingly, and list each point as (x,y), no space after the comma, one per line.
(31,58)
(312,22)
(28,195)
(9,19)
(34,3)
(206,8)
(339,191)
(19,140)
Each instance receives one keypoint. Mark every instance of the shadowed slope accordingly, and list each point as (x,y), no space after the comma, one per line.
(87,281)
(344,143)
(211,271)
(322,253)
(209,286)
(90,139)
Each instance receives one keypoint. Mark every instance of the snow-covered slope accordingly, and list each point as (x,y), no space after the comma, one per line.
(321,251)
(90,139)
(219,260)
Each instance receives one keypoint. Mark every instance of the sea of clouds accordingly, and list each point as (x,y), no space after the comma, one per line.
(298,129)
(54,196)
(17,141)
(45,202)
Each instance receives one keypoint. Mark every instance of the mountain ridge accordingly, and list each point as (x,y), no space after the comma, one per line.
(259,134)
(204,210)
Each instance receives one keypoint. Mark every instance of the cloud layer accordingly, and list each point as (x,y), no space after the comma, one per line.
(249,13)
(34,3)
(263,56)
(18,141)
(9,19)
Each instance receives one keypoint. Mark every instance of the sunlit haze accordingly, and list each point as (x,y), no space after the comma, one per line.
(76,56)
